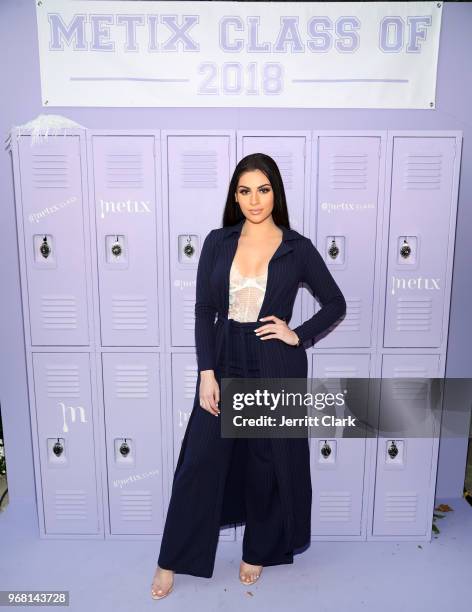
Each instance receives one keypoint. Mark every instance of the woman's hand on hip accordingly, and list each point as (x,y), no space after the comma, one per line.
(278,329)
(209,392)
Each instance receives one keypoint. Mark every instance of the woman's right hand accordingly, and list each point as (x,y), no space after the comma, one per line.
(209,392)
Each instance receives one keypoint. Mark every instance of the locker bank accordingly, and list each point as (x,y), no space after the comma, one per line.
(110,224)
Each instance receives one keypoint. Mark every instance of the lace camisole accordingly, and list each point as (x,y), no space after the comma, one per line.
(246,294)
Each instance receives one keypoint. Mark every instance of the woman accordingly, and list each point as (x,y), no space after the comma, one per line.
(249,273)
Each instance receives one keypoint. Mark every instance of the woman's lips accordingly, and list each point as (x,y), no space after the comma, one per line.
(256,211)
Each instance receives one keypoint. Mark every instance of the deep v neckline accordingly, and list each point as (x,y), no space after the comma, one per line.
(268,286)
(233,263)
(248,277)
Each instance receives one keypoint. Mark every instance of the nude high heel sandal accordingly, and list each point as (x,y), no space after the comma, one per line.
(154,591)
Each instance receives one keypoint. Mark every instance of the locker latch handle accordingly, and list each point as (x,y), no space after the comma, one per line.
(333,250)
(405,250)
(116,248)
(392,449)
(326,449)
(45,249)
(58,449)
(189,249)
(124,448)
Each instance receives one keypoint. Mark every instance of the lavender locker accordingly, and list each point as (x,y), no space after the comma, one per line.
(65,427)
(346,229)
(51,206)
(125,204)
(338,464)
(198,174)
(405,478)
(421,189)
(131,385)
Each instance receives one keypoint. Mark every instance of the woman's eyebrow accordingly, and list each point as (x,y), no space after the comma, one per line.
(268,185)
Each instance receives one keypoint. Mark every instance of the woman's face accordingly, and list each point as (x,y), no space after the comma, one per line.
(255,196)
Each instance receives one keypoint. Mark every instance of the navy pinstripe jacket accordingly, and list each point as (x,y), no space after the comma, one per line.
(296,260)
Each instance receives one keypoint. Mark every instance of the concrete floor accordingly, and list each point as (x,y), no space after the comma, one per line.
(116,575)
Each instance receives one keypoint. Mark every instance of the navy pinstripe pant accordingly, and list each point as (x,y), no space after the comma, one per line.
(186,547)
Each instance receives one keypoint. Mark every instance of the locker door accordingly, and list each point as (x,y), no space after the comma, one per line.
(337,463)
(404,493)
(133,434)
(198,175)
(64,416)
(289,152)
(346,229)
(125,213)
(419,240)
(52,209)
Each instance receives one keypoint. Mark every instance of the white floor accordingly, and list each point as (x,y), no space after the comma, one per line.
(116,575)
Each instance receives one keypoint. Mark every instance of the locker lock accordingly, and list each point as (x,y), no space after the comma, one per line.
(189,249)
(58,449)
(333,250)
(393,449)
(116,248)
(124,448)
(45,249)
(405,250)
(326,449)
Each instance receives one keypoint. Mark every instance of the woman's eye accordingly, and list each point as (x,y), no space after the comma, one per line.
(245,191)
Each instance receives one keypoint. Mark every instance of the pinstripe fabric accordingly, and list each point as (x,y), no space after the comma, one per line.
(296,260)
(220,481)
(205,457)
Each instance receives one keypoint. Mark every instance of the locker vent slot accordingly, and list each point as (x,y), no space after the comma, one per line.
(70,505)
(335,506)
(199,169)
(63,381)
(132,381)
(352,320)
(418,390)
(348,171)
(401,507)
(414,314)
(284,161)
(190,381)
(59,312)
(136,505)
(188,308)
(124,170)
(130,312)
(345,372)
(50,171)
(422,171)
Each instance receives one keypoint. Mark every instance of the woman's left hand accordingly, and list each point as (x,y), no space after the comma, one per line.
(278,329)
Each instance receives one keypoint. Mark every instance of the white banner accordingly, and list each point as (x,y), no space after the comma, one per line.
(245,54)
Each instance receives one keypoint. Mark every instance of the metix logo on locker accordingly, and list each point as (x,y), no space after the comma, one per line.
(128,206)
(72,410)
(414,283)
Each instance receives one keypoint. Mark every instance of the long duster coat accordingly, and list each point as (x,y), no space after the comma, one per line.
(295,260)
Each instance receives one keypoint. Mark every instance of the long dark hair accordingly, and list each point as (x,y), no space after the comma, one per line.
(232,213)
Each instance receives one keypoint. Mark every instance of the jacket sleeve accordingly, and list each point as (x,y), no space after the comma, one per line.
(316,274)
(204,308)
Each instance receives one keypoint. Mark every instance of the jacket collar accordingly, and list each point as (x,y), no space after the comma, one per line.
(288,234)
